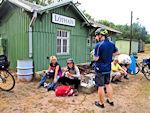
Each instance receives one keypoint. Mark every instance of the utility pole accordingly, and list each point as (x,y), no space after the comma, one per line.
(131,33)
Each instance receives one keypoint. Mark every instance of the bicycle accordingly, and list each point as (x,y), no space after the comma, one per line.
(7,81)
(144,68)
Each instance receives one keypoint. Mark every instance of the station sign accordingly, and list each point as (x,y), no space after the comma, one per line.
(64,20)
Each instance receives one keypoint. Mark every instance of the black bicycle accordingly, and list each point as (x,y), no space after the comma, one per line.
(7,81)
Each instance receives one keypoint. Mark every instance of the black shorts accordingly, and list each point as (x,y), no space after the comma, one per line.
(102,79)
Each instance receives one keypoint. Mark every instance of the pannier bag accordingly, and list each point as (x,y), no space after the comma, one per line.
(4,63)
(147,62)
(64,91)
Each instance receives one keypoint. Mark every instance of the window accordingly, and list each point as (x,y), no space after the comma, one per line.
(89,41)
(63,38)
(94,41)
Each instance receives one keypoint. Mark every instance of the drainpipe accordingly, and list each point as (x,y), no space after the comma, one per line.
(30,33)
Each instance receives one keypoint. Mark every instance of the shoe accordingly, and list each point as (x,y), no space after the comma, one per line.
(114,82)
(99,105)
(49,88)
(75,93)
(111,103)
(118,80)
(125,77)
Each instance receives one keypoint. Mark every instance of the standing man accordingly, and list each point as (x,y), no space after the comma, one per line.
(104,50)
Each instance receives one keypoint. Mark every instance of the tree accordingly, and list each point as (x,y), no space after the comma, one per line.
(89,17)
(107,23)
(139,32)
(147,39)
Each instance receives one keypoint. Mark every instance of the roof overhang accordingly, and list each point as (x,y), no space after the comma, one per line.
(96,25)
(54,5)
(28,6)
(63,3)
(31,7)
(1,2)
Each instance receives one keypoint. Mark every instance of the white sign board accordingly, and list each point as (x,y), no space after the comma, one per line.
(59,19)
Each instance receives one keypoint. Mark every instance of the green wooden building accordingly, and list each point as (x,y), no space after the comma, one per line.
(31,31)
(124,45)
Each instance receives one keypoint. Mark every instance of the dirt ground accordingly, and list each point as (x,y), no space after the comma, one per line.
(130,96)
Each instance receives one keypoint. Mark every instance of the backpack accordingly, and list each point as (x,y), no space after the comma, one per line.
(64,91)
(4,63)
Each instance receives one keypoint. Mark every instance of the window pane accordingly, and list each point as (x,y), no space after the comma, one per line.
(63,34)
(94,41)
(88,41)
(65,46)
(57,33)
(58,45)
(66,34)
(60,33)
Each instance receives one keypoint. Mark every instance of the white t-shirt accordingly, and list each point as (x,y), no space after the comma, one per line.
(75,72)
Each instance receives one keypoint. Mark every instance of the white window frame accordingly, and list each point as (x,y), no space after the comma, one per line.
(62,38)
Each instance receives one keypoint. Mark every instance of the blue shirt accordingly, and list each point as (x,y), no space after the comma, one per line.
(104,51)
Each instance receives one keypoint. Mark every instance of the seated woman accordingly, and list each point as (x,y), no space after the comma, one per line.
(54,71)
(117,72)
(71,75)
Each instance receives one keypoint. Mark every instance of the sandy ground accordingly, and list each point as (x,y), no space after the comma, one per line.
(130,96)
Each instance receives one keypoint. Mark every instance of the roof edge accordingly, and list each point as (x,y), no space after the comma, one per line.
(53,5)
(20,4)
(97,25)
(62,3)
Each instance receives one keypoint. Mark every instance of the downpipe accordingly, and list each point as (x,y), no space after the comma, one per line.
(31,34)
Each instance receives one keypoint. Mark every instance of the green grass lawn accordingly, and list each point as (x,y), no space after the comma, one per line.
(147,48)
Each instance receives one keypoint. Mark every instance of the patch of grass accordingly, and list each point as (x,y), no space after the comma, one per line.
(1,51)
(147,48)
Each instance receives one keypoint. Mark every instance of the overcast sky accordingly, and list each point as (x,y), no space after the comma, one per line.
(118,11)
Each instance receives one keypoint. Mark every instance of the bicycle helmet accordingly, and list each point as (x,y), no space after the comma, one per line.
(70,60)
(101,31)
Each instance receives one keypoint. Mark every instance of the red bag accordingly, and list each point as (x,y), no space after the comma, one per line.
(63,90)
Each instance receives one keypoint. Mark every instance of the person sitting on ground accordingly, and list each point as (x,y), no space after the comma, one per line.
(124,61)
(54,71)
(71,75)
(116,71)
(125,67)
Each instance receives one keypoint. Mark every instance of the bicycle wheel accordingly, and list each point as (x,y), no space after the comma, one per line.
(7,81)
(137,70)
(146,72)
